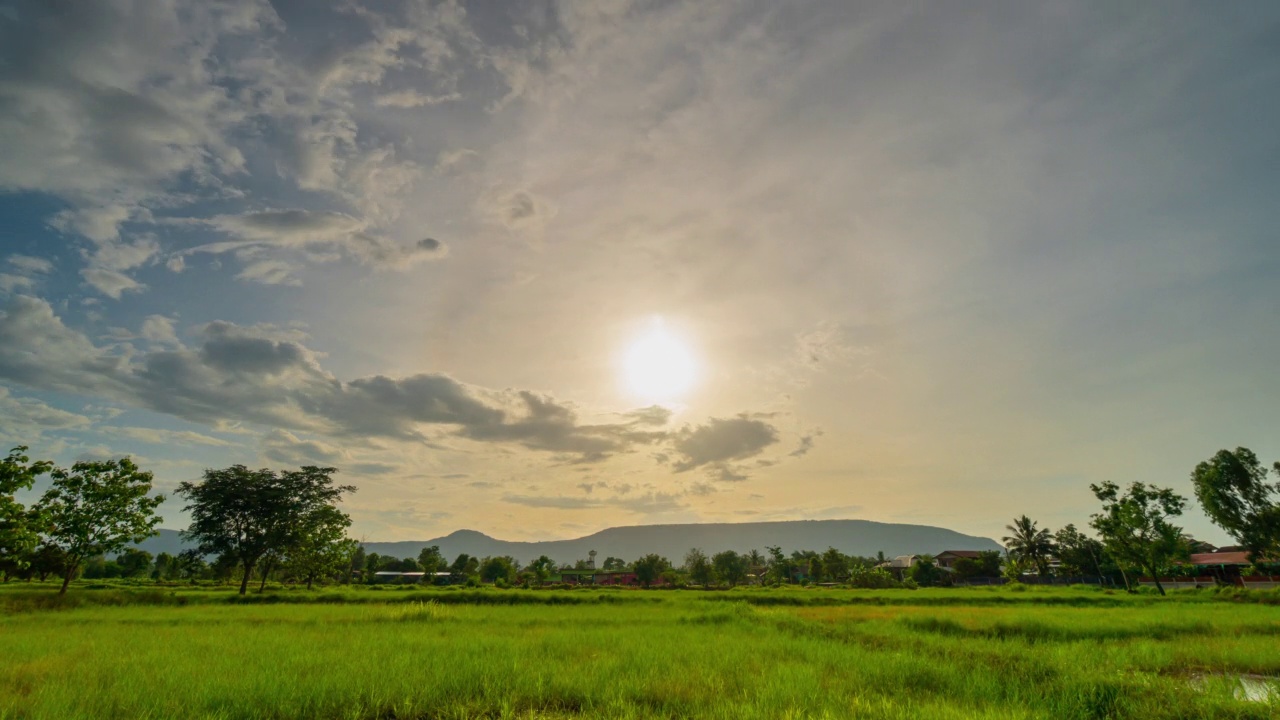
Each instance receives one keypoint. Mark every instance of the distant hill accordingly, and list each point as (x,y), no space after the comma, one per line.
(854,537)
(168,541)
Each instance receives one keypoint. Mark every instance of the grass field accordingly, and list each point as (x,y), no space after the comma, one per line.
(792,653)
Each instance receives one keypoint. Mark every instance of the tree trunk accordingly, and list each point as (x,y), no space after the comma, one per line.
(308,582)
(66,580)
(1156,578)
(266,572)
(244,581)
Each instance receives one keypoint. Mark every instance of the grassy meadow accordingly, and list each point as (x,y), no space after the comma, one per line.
(747,653)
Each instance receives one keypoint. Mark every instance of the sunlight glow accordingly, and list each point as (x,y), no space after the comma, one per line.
(658,367)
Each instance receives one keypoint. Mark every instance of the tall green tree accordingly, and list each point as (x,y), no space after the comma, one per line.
(497,568)
(97,508)
(1232,488)
(1079,553)
(730,567)
(613,563)
(779,566)
(134,562)
(542,568)
(1030,544)
(1135,527)
(649,568)
(432,562)
(925,571)
(18,532)
(698,567)
(321,548)
(464,566)
(835,564)
(250,515)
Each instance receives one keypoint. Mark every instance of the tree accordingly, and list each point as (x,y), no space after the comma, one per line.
(1233,490)
(432,562)
(613,563)
(321,547)
(97,508)
(502,568)
(249,514)
(134,562)
(650,567)
(730,567)
(986,565)
(1078,553)
(698,567)
(1135,527)
(48,560)
(835,564)
(542,568)
(779,566)
(18,535)
(464,566)
(358,559)
(1030,544)
(817,571)
(925,571)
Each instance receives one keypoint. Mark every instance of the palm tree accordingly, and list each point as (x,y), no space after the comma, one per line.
(1028,543)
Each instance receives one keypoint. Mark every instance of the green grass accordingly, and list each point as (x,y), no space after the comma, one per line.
(415,653)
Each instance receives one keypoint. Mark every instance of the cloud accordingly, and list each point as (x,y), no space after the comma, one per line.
(806,444)
(413,99)
(157,436)
(28,265)
(260,375)
(111,283)
(721,441)
(129,111)
(13,283)
(159,329)
(269,272)
(311,233)
(284,447)
(647,504)
(32,414)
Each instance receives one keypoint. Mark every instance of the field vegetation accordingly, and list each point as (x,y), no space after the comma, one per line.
(415,652)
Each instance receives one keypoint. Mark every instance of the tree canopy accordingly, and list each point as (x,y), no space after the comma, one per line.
(1135,526)
(247,514)
(18,532)
(1030,544)
(96,508)
(1232,488)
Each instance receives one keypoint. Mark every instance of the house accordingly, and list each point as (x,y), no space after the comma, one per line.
(899,565)
(947,558)
(1231,566)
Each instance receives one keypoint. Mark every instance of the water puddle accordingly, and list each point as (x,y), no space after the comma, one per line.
(1248,687)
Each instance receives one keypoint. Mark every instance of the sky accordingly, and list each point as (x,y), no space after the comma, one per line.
(542,268)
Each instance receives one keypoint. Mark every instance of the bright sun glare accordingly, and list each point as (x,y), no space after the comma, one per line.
(658,367)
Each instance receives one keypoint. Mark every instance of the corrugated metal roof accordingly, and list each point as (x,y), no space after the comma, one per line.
(1220,558)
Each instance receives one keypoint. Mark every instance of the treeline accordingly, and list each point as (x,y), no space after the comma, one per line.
(264,520)
(287,525)
(1136,530)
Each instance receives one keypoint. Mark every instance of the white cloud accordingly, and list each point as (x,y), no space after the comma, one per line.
(31,265)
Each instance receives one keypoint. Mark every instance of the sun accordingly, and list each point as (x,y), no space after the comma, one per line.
(658,367)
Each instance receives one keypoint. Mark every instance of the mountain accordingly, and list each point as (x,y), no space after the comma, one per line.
(168,541)
(854,537)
